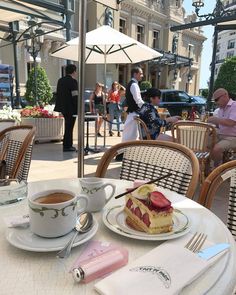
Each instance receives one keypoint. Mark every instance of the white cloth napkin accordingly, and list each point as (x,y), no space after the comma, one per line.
(165,270)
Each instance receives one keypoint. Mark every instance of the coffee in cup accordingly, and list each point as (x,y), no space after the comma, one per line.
(53,213)
(54,198)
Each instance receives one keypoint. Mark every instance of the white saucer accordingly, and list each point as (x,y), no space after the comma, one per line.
(115,219)
(23,238)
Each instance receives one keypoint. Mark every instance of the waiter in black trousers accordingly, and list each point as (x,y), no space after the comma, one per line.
(66,103)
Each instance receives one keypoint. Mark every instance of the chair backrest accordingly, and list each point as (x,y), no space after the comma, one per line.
(6,123)
(16,149)
(210,186)
(142,129)
(149,159)
(194,135)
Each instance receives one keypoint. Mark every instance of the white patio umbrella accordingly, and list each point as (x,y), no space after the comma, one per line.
(106,45)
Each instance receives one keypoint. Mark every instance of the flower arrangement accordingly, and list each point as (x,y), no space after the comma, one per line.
(37,112)
(8,113)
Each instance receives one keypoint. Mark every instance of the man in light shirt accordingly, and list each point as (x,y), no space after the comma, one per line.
(226,123)
(134,102)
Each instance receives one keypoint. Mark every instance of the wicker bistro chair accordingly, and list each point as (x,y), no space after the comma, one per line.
(16,149)
(6,123)
(200,138)
(229,155)
(149,159)
(142,129)
(224,172)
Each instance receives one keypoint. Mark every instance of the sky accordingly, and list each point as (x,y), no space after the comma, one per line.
(207,45)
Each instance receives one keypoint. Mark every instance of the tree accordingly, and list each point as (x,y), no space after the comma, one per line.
(44,91)
(204,92)
(227,76)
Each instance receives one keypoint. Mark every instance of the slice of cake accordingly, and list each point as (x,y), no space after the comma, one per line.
(149,210)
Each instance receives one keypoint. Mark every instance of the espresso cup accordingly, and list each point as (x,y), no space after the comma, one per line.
(95,189)
(53,213)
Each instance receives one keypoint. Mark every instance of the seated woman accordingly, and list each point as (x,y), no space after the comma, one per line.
(149,114)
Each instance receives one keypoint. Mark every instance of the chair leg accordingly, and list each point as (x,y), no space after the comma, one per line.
(202,170)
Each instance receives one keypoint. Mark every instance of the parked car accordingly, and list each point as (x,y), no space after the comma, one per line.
(177,100)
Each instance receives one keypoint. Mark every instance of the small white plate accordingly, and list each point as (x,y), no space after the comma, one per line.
(23,238)
(115,219)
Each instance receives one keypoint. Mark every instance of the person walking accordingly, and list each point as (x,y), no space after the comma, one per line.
(66,103)
(114,108)
(134,102)
(97,103)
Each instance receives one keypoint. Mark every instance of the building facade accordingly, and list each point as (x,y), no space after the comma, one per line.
(148,21)
(226,44)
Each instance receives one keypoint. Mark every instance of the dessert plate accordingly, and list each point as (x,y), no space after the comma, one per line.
(114,218)
(23,238)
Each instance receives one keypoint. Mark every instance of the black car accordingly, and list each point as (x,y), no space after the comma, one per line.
(177,100)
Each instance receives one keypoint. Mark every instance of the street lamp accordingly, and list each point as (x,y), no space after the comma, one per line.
(33,41)
(218,12)
(175,75)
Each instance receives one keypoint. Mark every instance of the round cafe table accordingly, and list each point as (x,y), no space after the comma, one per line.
(30,273)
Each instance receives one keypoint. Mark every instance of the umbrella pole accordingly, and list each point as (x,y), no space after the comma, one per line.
(80,111)
(105,93)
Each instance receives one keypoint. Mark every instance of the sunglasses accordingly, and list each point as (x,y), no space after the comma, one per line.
(216,99)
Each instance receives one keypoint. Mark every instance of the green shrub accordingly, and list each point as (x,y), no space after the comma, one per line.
(204,92)
(227,76)
(44,91)
(145,85)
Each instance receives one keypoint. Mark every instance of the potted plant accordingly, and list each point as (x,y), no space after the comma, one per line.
(7,113)
(43,88)
(48,126)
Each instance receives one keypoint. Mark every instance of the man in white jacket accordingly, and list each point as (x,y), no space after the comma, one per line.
(134,102)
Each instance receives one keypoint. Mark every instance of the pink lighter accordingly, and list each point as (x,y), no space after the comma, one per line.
(100,265)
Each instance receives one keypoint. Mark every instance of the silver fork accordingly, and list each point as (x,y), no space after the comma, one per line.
(196,242)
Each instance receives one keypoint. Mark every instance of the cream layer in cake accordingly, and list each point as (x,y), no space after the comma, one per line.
(144,216)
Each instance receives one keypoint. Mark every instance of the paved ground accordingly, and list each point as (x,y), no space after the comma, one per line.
(49,162)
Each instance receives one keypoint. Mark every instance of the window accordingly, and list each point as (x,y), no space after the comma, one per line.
(230,54)
(232,33)
(218,48)
(183,97)
(140,33)
(230,44)
(175,96)
(123,28)
(217,58)
(190,50)
(155,39)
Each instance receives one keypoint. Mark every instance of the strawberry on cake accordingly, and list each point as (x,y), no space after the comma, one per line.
(149,210)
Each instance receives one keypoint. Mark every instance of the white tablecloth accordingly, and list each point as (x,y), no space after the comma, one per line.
(31,273)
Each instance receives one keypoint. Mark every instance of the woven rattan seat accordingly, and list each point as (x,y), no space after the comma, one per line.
(200,138)
(6,123)
(16,149)
(214,180)
(149,159)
